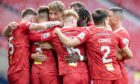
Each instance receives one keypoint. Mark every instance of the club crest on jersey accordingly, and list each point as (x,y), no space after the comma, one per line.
(46,35)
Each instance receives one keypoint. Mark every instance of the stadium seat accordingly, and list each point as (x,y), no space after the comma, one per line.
(133,7)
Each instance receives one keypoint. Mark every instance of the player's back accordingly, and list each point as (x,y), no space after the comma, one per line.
(123,32)
(63,51)
(101,51)
(19,48)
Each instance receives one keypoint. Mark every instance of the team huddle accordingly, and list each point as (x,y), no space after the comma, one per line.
(54,45)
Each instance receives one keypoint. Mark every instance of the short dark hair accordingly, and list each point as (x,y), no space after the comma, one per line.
(43,9)
(117,10)
(84,17)
(99,15)
(77,4)
(28,11)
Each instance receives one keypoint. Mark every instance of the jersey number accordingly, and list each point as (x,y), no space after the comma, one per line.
(11,46)
(74,50)
(106,49)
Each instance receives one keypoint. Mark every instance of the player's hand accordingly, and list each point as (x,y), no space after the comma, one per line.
(39,57)
(73,58)
(13,25)
(55,23)
(57,30)
(46,46)
(118,56)
(58,23)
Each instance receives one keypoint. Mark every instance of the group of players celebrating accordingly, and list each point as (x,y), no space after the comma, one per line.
(59,46)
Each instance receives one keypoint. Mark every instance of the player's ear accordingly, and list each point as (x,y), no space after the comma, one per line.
(73,21)
(106,21)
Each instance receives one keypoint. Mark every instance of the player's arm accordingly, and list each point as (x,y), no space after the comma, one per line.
(127,53)
(65,40)
(45,25)
(124,51)
(9,27)
(34,36)
(6,31)
(40,37)
(119,55)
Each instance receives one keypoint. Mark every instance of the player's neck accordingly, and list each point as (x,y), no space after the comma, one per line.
(118,26)
(68,25)
(100,26)
(24,21)
(41,21)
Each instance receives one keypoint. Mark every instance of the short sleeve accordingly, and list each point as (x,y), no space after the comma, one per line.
(82,36)
(41,37)
(121,43)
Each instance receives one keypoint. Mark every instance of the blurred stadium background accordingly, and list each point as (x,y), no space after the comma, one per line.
(10,11)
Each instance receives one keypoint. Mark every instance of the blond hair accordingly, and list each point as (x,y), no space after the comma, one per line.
(56,6)
(70,12)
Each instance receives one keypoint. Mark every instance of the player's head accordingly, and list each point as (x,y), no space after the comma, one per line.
(43,14)
(28,14)
(76,5)
(116,14)
(84,17)
(100,17)
(56,10)
(70,17)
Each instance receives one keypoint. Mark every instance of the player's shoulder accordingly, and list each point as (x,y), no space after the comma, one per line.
(76,29)
(96,29)
(52,28)
(117,36)
(24,24)
(122,32)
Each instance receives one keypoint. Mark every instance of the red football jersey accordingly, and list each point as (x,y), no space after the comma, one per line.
(90,24)
(62,51)
(19,48)
(101,48)
(46,66)
(123,33)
